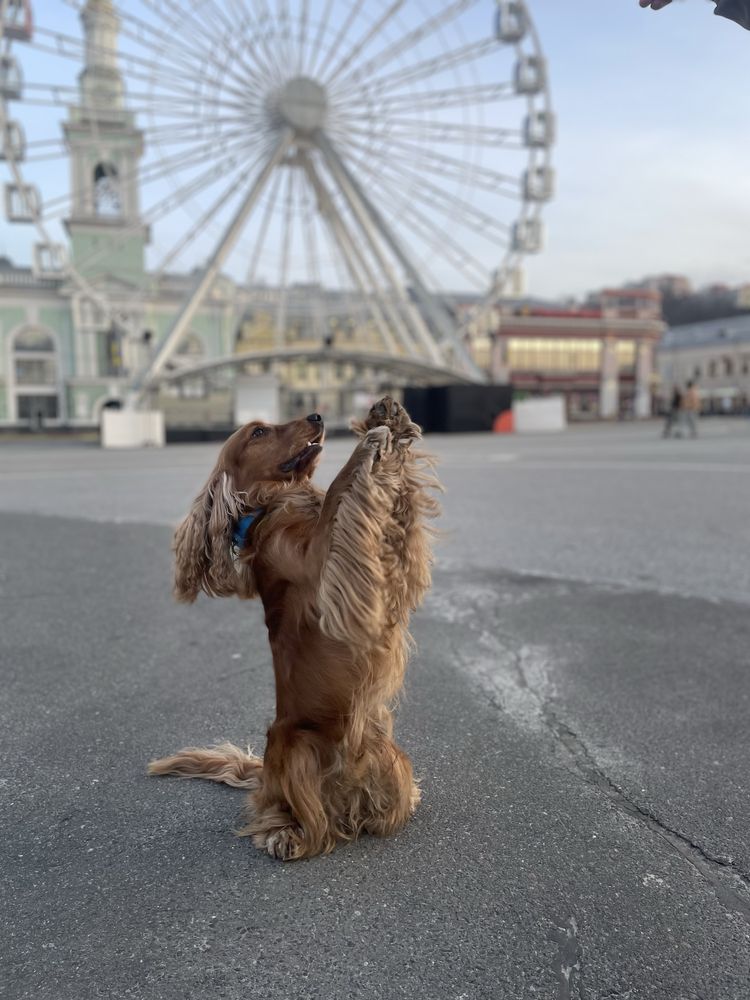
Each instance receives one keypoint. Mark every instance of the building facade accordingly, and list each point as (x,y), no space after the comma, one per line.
(599,357)
(715,355)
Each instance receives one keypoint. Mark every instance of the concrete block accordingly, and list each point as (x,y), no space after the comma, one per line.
(132,428)
(536,415)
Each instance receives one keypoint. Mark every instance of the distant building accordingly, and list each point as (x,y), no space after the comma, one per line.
(715,355)
(599,356)
(669,285)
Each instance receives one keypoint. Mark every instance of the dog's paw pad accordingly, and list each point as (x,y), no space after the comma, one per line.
(388,413)
(377,439)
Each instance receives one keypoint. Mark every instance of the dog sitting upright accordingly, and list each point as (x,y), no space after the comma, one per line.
(338,574)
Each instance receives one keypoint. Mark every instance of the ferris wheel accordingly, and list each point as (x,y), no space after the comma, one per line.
(397,148)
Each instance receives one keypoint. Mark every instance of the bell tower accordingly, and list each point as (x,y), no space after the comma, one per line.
(106,233)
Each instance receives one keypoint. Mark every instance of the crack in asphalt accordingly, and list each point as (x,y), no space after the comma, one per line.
(718,873)
(729,884)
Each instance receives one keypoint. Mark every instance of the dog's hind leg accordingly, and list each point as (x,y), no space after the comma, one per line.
(392,793)
(289,812)
(224,763)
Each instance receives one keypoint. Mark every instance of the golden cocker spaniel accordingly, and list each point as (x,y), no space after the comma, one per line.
(338,574)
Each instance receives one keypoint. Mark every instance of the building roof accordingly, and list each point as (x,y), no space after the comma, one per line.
(714,332)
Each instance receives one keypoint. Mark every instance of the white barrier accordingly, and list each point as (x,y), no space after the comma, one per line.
(546,413)
(132,428)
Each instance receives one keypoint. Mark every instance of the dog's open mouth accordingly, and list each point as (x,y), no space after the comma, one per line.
(299,461)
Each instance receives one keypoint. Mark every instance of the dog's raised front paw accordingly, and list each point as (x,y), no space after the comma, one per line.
(377,440)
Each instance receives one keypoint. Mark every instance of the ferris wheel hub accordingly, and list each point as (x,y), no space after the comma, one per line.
(301,104)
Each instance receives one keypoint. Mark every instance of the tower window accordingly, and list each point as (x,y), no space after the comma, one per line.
(106,190)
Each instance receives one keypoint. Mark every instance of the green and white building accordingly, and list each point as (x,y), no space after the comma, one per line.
(62,358)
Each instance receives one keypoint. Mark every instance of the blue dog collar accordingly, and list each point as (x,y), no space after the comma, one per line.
(243,526)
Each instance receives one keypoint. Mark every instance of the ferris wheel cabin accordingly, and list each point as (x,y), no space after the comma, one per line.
(17,23)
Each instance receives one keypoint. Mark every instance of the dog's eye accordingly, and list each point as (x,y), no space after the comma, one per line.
(258,432)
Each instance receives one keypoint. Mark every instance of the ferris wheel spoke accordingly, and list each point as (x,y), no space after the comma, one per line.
(304,23)
(438,99)
(354,12)
(154,172)
(442,132)
(434,236)
(158,42)
(449,203)
(394,293)
(213,267)
(412,38)
(444,167)
(164,207)
(75,49)
(369,216)
(265,224)
(164,43)
(354,260)
(244,42)
(422,70)
(322,28)
(204,221)
(440,164)
(63,95)
(274,63)
(362,44)
(285,31)
(284,266)
(68,47)
(308,209)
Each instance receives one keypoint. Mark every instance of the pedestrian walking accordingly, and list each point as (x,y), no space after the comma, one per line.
(673,413)
(735,10)
(691,407)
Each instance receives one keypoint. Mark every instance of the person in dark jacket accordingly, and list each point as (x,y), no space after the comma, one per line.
(673,413)
(735,10)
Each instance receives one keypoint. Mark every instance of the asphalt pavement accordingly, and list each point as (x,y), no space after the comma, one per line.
(577,710)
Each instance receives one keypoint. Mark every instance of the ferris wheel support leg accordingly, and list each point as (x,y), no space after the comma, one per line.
(370,232)
(437,314)
(186,314)
(355,260)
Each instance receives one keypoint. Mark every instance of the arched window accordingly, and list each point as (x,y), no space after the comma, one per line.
(34,340)
(107,190)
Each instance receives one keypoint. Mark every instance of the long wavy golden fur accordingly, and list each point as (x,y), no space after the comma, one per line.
(339,574)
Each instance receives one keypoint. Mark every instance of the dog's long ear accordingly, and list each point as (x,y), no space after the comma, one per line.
(203,545)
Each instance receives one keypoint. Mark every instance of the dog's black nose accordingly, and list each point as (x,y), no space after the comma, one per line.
(315,418)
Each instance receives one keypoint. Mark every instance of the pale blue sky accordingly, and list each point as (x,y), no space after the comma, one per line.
(653,158)
(653,154)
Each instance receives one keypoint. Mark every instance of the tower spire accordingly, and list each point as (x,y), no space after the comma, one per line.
(101,81)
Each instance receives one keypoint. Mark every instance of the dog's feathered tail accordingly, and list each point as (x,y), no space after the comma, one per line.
(224,763)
